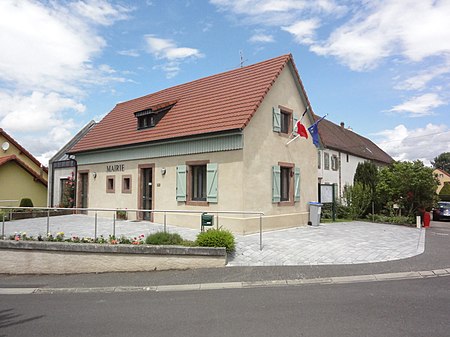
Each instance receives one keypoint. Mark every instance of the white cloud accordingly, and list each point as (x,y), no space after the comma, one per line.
(261,38)
(304,31)
(47,59)
(420,105)
(411,29)
(420,80)
(37,112)
(277,12)
(100,11)
(130,52)
(167,49)
(422,143)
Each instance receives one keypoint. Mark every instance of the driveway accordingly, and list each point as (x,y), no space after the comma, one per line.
(328,244)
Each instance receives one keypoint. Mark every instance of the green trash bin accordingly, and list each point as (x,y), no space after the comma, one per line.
(207,220)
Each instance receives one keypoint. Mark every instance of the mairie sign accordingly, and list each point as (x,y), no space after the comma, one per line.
(115,168)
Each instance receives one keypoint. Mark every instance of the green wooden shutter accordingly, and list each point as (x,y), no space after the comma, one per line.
(276,179)
(211,182)
(294,126)
(296,184)
(181,182)
(276,120)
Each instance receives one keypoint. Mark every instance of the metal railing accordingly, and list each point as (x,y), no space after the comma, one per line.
(127,210)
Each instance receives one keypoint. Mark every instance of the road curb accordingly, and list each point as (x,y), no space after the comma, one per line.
(235,285)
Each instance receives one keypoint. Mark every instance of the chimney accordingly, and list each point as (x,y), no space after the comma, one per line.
(342,125)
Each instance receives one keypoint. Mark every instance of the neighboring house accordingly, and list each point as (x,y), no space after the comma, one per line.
(443,177)
(213,144)
(61,170)
(21,174)
(342,151)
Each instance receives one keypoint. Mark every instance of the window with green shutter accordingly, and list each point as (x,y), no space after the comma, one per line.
(197,182)
(285,183)
(211,181)
(181,182)
(276,117)
(296,184)
(276,191)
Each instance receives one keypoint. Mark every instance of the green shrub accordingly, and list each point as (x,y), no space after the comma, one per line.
(26,202)
(216,238)
(164,238)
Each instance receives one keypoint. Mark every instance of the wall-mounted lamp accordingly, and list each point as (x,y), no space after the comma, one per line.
(163,171)
(94,175)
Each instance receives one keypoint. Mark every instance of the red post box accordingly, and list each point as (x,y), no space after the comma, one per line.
(426,219)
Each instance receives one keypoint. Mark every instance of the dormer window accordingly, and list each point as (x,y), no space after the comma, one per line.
(145,120)
(150,117)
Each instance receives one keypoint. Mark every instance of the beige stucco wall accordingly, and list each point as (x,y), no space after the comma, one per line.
(264,148)
(230,193)
(16,183)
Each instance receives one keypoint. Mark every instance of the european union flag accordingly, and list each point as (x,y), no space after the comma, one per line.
(314,132)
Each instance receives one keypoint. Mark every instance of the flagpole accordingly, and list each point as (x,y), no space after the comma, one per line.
(292,140)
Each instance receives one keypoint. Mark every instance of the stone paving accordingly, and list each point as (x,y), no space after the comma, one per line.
(327,244)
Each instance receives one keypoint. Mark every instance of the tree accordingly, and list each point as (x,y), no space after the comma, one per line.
(444,194)
(357,198)
(442,162)
(367,175)
(408,184)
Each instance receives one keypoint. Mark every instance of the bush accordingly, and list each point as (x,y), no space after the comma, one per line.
(216,238)
(164,238)
(26,202)
(402,220)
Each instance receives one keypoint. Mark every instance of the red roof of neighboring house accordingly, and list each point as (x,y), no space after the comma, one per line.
(222,102)
(14,158)
(341,139)
(25,152)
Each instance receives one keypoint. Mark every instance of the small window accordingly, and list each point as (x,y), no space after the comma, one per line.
(326,161)
(110,185)
(198,182)
(334,163)
(319,159)
(126,184)
(145,122)
(347,157)
(285,186)
(286,122)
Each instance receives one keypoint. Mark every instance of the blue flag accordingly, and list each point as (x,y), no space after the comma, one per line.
(314,132)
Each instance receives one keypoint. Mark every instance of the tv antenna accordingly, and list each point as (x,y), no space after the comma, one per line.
(241,58)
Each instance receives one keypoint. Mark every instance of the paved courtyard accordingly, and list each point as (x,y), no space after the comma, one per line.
(333,243)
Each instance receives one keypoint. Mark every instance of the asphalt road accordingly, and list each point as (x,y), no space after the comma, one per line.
(392,308)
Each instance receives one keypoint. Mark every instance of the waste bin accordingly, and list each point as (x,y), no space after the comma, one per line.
(314,213)
(207,220)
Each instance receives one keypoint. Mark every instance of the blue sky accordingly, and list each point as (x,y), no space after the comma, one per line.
(382,67)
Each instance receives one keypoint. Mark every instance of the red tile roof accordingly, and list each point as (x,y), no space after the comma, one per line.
(221,102)
(341,139)
(14,158)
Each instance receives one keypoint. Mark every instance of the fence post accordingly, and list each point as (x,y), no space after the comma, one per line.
(48,221)
(3,227)
(95,230)
(260,232)
(114,225)
(165,225)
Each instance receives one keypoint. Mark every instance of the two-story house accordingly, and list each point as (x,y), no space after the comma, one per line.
(343,149)
(21,174)
(214,144)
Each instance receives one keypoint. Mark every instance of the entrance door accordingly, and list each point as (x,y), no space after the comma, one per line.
(147,192)
(84,191)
